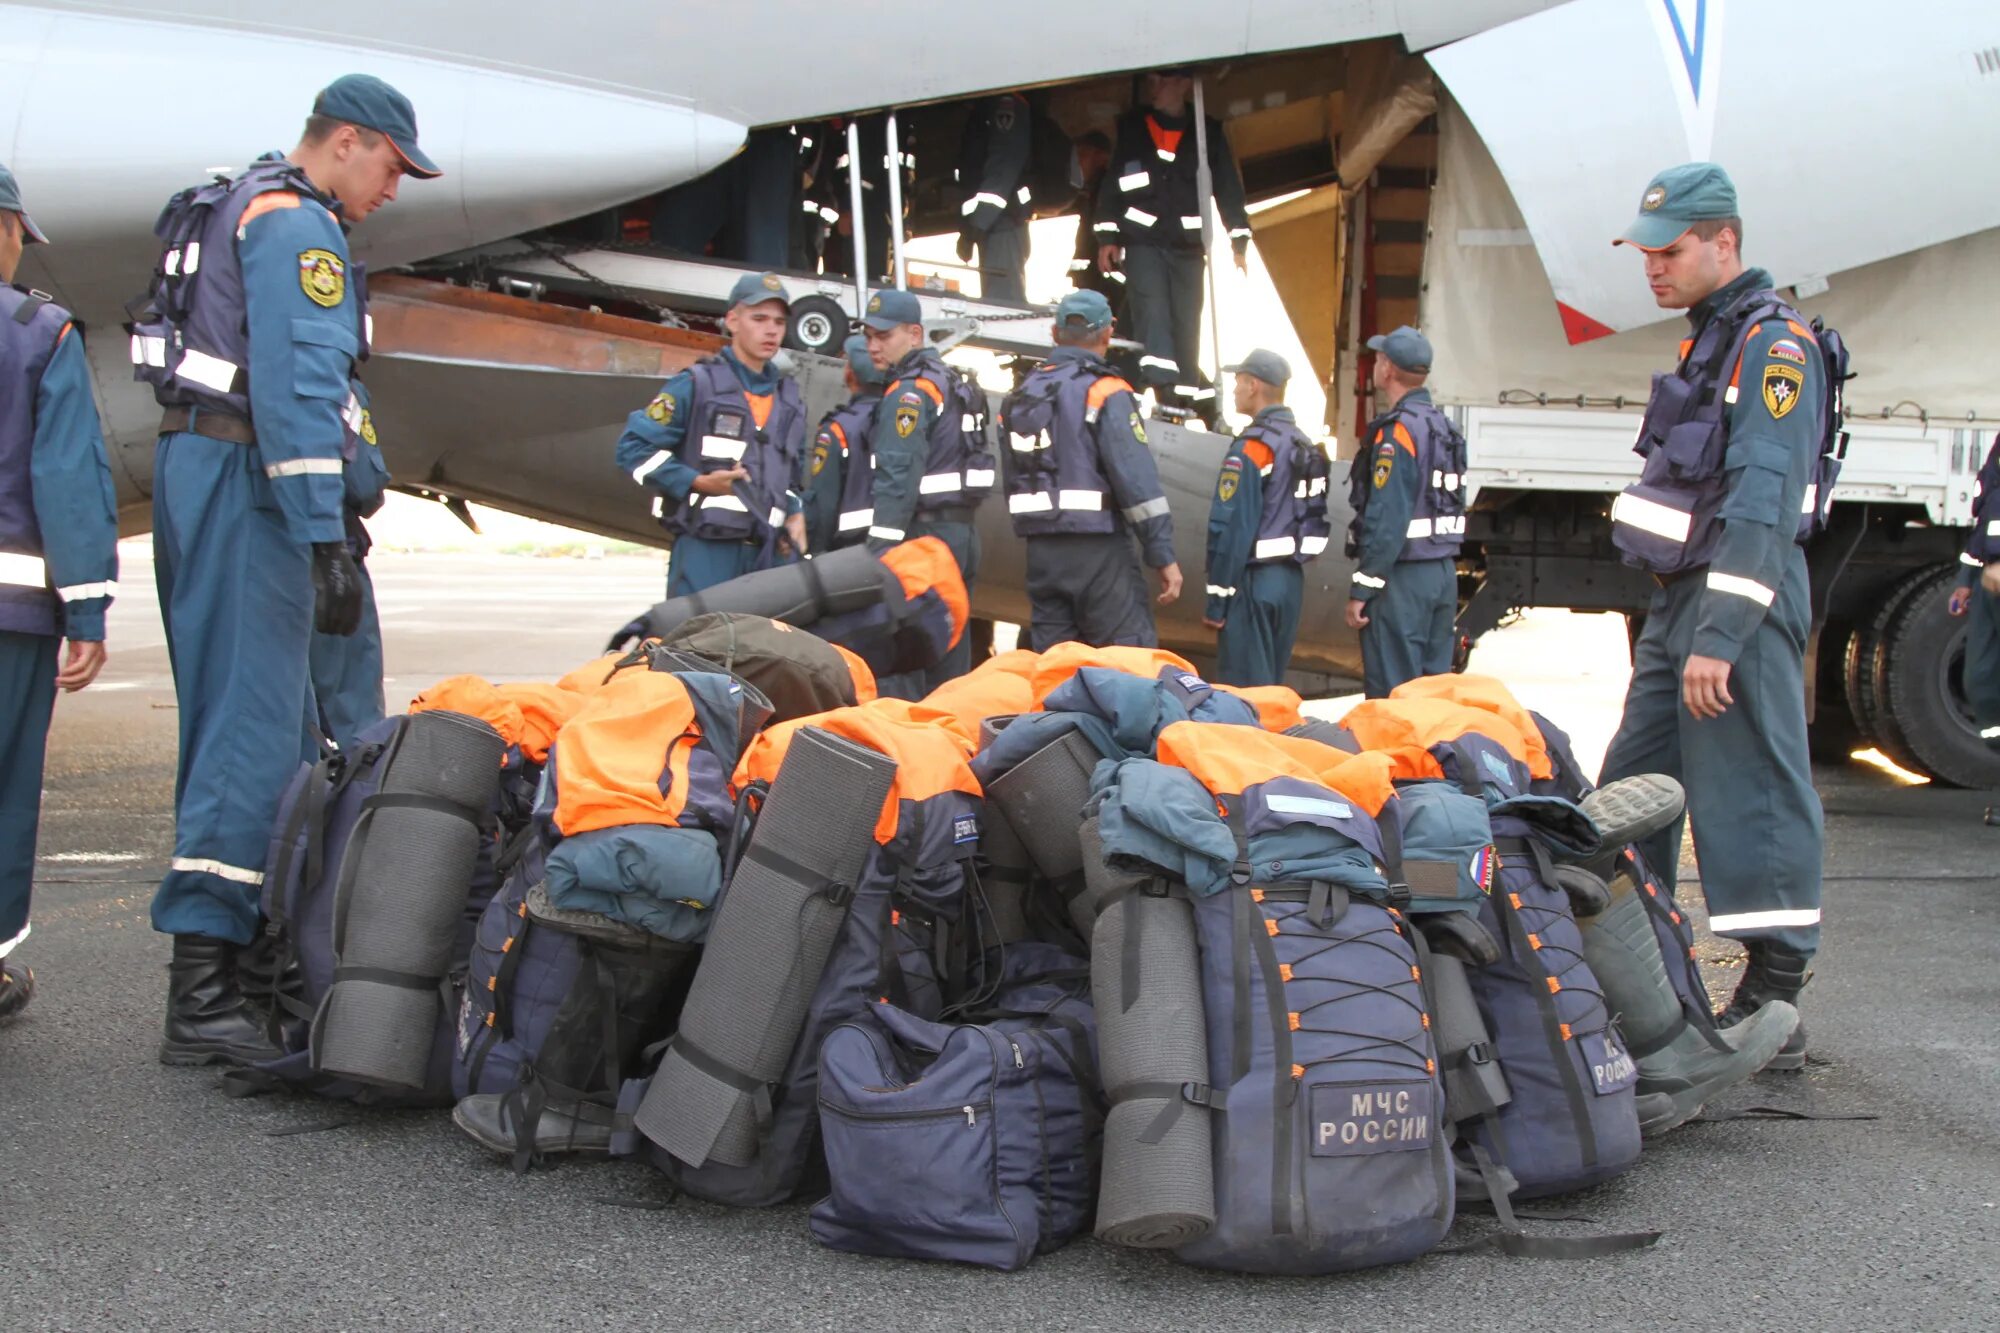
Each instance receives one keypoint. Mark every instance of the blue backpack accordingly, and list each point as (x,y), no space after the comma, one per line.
(975,1142)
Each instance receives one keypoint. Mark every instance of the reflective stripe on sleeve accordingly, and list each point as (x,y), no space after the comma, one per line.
(886,534)
(650,466)
(1993,527)
(1160,363)
(1108,228)
(1142,511)
(221,870)
(854,520)
(972,204)
(1740,586)
(1369,580)
(1270,548)
(1217,590)
(1798,916)
(78,592)
(1239,233)
(1972,560)
(1651,516)
(8,946)
(304,467)
(1989,733)
(23,571)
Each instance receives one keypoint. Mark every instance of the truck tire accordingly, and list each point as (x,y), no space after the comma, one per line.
(818,324)
(1834,735)
(1889,737)
(1922,669)
(1859,673)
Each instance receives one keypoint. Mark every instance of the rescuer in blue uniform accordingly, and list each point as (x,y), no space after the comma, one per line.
(992,177)
(250,336)
(58,560)
(1978,595)
(840,445)
(929,463)
(1407,490)
(1733,441)
(1081,484)
(347,668)
(722,449)
(1267,520)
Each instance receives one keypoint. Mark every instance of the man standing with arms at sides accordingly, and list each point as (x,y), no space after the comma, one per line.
(254,324)
(992,176)
(722,449)
(1267,520)
(1732,438)
(840,454)
(929,464)
(1407,490)
(1079,480)
(58,560)
(1149,220)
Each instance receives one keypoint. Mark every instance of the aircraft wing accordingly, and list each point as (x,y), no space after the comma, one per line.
(1824,114)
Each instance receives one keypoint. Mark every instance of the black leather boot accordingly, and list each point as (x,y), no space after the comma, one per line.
(17,987)
(208,1020)
(1773,973)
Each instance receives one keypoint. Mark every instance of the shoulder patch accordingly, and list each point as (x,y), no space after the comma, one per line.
(906,417)
(913,399)
(661,409)
(1225,488)
(1138,427)
(1384,462)
(1786,350)
(368,426)
(1234,462)
(1783,386)
(323,277)
(819,454)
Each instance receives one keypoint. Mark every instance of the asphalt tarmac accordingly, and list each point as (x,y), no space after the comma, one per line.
(133,1196)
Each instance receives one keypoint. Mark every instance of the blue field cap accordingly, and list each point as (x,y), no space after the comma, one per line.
(1405,347)
(364,100)
(1267,366)
(1084,309)
(859,362)
(1675,200)
(10,199)
(757,288)
(890,308)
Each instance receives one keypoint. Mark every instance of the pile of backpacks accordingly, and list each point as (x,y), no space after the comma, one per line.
(1078,942)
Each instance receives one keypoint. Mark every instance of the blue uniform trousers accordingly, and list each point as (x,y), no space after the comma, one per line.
(27,697)
(1982,663)
(1758,830)
(698,564)
(1088,588)
(1409,629)
(1255,645)
(347,673)
(963,540)
(236,597)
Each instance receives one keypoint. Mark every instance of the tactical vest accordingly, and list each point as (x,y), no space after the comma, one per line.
(846,428)
(1159,203)
(190,329)
(970,172)
(958,464)
(1055,482)
(1984,545)
(721,433)
(1670,519)
(1437,522)
(1294,526)
(30,327)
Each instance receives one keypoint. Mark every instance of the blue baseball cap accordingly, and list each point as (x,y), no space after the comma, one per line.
(1405,347)
(757,288)
(364,100)
(10,200)
(1675,200)
(1269,367)
(860,363)
(1084,310)
(890,308)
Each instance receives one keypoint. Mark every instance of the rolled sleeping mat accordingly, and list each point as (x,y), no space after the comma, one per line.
(401,897)
(800,593)
(1145,980)
(1101,883)
(1326,733)
(1043,798)
(767,947)
(1007,879)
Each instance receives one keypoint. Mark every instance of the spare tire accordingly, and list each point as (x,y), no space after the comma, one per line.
(1927,723)
(817,324)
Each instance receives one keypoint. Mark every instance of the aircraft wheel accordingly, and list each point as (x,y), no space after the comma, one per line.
(818,324)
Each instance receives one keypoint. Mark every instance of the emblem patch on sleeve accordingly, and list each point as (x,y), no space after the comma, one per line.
(819,456)
(661,409)
(1225,489)
(1782,388)
(906,422)
(1138,428)
(367,426)
(323,277)
(1786,350)
(1384,461)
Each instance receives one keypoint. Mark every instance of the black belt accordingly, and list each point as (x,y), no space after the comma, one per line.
(949,514)
(207,422)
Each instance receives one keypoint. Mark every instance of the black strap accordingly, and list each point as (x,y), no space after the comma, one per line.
(758,853)
(1776,1113)
(386,977)
(1511,1241)
(1178,1096)
(1552,1025)
(415,801)
(759,1090)
(1284,1090)
(31,305)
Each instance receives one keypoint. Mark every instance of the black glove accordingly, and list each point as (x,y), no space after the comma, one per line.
(966,242)
(336,589)
(632,632)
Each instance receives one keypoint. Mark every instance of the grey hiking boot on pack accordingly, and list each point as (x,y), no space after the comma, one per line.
(1772,975)
(1630,809)
(1680,1060)
(493,1120)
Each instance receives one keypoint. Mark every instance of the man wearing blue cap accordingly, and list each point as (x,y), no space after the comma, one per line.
(1406,487)
(722,449)
(1079,479)
(1267,520)
(1734,441)
(840,456)
(250,335)
(58,559)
